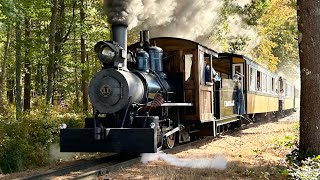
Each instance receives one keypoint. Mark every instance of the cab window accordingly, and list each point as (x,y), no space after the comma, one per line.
(188,67)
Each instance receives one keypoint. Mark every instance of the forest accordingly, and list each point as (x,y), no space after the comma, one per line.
(47,57)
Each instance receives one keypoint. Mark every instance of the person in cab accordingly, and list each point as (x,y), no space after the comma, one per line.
(215,75)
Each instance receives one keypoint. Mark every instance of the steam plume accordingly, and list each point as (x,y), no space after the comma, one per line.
(242,3)
(239,29)
(218,162)
(189,19)
(192,19)
(178,18)
(135,12)
(55,154)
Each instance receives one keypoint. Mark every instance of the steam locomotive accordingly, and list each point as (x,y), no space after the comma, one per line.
(154,94)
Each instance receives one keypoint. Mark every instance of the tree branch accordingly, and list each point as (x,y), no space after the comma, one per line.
(65,38)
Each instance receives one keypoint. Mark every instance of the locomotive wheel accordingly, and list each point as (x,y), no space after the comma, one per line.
(169,141)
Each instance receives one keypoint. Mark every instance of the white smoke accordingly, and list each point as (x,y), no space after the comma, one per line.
(291,74)
(175,18)
(150,13)
(149,157)
(242,3)
(189,19)
(55,154)
(136,12)
(192,19)
(218,162)
(239,29)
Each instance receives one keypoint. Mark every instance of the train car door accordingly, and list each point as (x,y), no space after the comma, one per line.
(205,89)
(189,85)
(238,69)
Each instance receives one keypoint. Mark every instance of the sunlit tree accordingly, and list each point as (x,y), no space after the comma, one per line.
(309,45)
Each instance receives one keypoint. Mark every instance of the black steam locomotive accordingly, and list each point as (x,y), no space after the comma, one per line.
(146,97)
(131,104)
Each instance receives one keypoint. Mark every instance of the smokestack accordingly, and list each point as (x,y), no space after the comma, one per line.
(146,38)
(119,35)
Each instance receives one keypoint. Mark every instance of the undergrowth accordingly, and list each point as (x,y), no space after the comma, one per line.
(306,169)
(289,141)
(301,165)
(25,143)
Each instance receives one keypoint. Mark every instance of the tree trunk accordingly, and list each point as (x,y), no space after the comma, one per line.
(84,71)
(27,66)
(18,71)
(58,49)
(76,77)
(3,67)
(39,82)
(309,45)
(50,68)
(10,86)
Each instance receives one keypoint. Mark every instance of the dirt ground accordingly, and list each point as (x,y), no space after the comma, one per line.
(257,152)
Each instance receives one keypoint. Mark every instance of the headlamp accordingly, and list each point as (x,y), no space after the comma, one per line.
(109,51)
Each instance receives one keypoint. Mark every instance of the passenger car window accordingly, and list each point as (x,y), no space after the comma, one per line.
(202,68)
(272,85)
(264,82)
(188,67)
(269,86)
(258,81)
(252,79)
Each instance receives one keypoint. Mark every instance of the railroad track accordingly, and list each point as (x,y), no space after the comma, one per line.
(91,169)
(106,161)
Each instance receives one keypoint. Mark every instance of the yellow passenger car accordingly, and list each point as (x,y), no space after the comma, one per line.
(260,86)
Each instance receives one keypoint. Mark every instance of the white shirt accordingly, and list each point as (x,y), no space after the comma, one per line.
(281,96)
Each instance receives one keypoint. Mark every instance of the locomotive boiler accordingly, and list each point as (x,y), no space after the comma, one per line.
(115,87)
